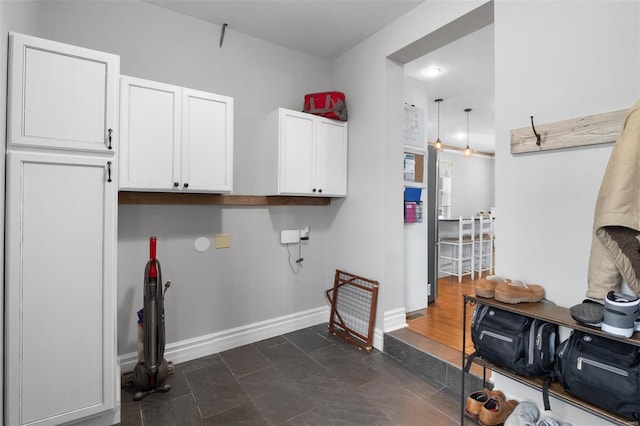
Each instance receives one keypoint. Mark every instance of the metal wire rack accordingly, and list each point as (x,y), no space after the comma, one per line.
(353,308)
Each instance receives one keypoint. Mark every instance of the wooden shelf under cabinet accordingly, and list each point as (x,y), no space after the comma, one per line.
(557,315)
(126,197)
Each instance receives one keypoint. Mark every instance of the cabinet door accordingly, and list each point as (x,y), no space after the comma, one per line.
(61,96)
(150,135)
(60,289)
(207,142)
(296,152)
(331,158)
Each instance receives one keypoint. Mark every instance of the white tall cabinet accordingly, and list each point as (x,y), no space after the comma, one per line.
(174,138)
(308,153)
(61,213)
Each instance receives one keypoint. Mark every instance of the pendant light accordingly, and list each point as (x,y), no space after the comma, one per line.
(438,142)
(467,150)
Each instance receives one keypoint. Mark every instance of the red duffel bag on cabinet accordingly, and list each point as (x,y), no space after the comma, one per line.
(326,104)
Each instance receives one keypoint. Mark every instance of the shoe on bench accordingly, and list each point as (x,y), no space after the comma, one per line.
(486,287)
(518,292)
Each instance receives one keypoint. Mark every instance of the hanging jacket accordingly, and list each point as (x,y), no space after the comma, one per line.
(615,247)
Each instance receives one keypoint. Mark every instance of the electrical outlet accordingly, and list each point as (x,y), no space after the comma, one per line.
(305,233)
(290,236)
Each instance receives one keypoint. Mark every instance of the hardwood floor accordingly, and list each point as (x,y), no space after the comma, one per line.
(442,320)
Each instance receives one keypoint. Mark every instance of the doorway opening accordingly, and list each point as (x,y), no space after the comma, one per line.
(470,85)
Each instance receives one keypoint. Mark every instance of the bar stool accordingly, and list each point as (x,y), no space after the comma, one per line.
(458,256)
(484,245)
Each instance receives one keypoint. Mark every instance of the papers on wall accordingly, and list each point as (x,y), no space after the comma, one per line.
(409,167)
(414,126)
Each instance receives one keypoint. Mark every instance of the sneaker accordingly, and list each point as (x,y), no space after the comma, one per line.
(477,399)
(525,414)
(495,411)
(518,292)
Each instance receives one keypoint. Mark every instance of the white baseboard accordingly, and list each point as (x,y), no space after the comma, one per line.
(395,319)
(201,346)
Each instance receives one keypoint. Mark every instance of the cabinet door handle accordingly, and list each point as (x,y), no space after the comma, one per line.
(108,171)
(313,190)
(175,184)
(109,138)
(320,190)
(186,185)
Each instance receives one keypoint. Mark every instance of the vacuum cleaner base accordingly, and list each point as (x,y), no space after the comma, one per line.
(141,394)
(150,382)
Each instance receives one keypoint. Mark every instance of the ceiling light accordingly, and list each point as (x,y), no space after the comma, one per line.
(432,71)
(438,142)
(467,150)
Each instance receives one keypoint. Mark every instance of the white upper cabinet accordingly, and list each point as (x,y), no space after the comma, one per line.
(174,139)
(61,96)
(311,154)
(331,154)
(297,159)
(207,141)
(149,134)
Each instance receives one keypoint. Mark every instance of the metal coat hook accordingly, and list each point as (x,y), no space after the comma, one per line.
(224,27)
(535,133)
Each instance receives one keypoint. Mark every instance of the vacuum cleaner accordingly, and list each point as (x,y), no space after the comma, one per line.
(151,370)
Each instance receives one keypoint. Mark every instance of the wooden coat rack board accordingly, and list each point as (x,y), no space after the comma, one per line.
(589,130)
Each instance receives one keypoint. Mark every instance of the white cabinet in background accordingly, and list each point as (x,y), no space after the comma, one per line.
(309,153)
(61,96)
(174,139)
(60,235)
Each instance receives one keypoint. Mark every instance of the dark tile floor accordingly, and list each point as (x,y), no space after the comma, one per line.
(307,377)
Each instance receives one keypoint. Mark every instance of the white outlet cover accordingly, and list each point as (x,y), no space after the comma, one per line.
(201,244)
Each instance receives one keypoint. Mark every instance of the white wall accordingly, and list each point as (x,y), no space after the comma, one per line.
(554,75)
(219,289)
(556,60)
(472,188)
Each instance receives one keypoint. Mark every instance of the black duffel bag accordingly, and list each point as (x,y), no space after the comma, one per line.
(601,371)
(514,342)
